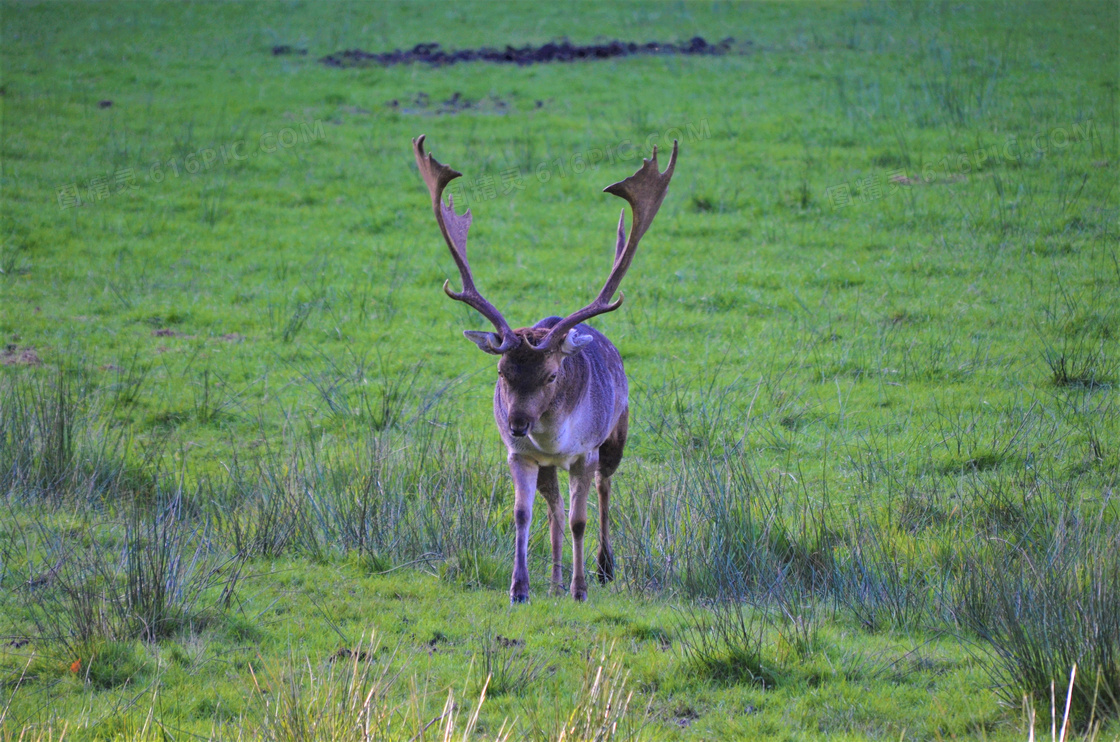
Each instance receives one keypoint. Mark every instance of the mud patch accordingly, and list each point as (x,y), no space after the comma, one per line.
(557,51)
(167,332)
(423,105)
(284,50)
(13,355)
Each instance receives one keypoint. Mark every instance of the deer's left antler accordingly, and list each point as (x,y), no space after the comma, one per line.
(644,190)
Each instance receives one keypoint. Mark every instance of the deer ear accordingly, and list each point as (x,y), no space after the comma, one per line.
(573,341)
(488,342)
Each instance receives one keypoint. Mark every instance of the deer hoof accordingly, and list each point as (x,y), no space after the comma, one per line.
(515,599)
(579,595)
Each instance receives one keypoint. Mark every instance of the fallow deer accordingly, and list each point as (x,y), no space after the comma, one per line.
(560,400)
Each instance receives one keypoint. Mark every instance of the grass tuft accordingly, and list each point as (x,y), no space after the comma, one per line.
(1043,607)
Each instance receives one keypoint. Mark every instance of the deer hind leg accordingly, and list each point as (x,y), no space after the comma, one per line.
(610,455)
(549,487)
(579,483)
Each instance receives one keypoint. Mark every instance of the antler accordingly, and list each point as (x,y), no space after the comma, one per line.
(454,228)
(644,190)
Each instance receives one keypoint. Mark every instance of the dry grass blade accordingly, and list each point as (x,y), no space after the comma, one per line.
(601,713)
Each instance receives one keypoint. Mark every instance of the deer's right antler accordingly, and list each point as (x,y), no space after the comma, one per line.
(454,228)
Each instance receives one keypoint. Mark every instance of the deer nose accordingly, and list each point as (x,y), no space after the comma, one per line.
(519,428)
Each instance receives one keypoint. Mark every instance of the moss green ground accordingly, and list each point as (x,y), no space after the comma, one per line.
(887,266)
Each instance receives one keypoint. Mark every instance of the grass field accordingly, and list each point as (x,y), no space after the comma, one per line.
(250,481)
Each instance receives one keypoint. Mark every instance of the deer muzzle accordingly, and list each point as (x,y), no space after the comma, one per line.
(519,425)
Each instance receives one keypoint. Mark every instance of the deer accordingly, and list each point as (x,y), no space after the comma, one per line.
(561,396)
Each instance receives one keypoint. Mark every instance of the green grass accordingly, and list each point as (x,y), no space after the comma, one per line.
(873,340)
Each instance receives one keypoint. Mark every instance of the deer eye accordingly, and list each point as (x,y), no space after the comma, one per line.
(551,378)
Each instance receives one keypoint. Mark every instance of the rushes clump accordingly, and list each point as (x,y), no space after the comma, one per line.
(725,642)
(1042,608)
(144,578)
(57,442)
(507,664)
(1077,331)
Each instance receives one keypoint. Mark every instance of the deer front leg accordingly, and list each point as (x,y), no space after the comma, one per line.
(524,488)
(580,476)
(549,486)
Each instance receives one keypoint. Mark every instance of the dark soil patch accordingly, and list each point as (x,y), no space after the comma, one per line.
(556,51)
(167,332)
(422,105)
(283,50)
(13,355)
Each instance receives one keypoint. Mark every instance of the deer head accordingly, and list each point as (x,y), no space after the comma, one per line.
(531,367)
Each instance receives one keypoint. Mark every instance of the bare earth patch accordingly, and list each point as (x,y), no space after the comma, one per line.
(422,105)
(13,355)
(167,332)
(554,51)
